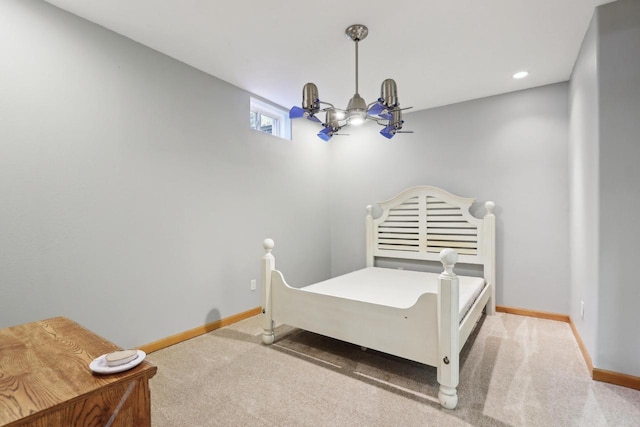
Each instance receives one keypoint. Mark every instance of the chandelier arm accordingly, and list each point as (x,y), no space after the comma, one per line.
(326,103)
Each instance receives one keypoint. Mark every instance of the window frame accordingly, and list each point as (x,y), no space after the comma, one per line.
(282,128)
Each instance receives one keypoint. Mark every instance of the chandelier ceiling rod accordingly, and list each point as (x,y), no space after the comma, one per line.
(356,33)
(357,66)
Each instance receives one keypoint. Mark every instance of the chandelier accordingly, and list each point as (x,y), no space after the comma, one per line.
(385,111)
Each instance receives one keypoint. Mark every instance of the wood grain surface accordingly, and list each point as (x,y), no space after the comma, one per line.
(45,379)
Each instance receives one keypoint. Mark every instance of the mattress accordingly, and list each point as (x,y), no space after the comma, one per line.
(394,288)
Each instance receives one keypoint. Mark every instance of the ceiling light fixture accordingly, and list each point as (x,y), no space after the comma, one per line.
(385,111)
(520,74)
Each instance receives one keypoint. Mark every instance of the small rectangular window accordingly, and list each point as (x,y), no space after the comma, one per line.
(270,119)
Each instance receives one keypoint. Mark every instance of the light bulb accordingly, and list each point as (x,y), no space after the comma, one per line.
(356,120)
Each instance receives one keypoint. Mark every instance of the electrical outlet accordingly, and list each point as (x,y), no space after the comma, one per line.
(253,284)
(582,309)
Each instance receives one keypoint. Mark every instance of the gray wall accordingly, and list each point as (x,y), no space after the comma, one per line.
(134,197)
(584,189)
(511,149)
(605,105)
(619,107)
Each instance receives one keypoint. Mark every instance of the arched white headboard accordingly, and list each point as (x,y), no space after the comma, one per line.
(421,221)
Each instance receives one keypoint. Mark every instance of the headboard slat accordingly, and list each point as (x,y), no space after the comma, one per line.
(449,224)
(437,249)
(453,237)
(395,241)
(403,224)
(443,211)
(396,230)
(453,244)
(398,248)
(461,231)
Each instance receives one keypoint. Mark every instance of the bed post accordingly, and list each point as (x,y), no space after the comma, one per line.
(369,236)
(448,331)
(268,265)
(490,254)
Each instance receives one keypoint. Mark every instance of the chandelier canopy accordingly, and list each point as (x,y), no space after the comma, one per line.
(385,111)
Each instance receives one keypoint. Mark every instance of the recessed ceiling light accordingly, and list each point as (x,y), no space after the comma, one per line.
(520,74)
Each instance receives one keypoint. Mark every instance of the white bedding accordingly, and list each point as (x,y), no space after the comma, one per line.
(394,288)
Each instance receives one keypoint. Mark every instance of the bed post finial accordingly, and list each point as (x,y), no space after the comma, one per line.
(489,206)
(448,257)
(268,245)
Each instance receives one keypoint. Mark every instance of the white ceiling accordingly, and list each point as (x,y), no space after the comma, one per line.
(438,51)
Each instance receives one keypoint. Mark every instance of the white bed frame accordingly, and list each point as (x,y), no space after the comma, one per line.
(420,223)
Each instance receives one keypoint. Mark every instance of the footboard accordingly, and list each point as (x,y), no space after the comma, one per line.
(427,332)
(408,333)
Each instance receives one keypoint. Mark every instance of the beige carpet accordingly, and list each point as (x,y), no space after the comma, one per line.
(515,371)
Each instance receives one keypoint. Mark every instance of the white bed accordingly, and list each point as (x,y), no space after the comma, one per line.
(424,317)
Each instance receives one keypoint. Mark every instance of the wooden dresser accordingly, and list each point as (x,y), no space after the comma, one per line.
(45,379)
